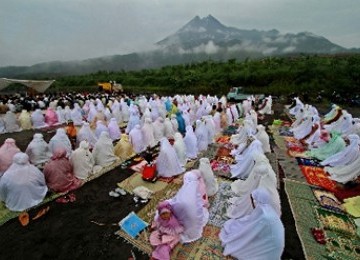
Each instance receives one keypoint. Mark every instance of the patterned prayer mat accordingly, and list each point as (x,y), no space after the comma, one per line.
(302,201)
(317,176)
(328,200)
(219,204)
(343,248)
(336,222)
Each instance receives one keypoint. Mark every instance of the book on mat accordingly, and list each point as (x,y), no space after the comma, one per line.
(132,224)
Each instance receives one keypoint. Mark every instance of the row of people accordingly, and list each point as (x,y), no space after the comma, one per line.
(333,139)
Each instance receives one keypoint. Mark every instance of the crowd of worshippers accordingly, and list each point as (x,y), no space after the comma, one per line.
(254,228)
(333,139)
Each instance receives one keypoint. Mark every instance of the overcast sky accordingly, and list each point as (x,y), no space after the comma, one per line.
(34,31)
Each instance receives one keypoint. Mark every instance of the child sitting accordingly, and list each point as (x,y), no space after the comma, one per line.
(166,231)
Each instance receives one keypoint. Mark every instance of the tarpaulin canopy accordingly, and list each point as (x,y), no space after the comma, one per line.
(38,85)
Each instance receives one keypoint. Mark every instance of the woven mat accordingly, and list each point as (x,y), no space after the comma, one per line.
(208,247)
(302,201)
(136,180)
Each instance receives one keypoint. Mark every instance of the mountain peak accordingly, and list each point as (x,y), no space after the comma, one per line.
(197,24)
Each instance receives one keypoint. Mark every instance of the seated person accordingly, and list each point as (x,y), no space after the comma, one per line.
(137,139)
(86,134)
(104,151)
(100,127)
(167,163)
(114,129)
(37,119)
(51,117)
(71,132)
(11,122)
(59,173)
(60,140)
(334,145)
(25,120)
(83,161)
(7,152)
(259,235)
(190,141)
(189,207)
(166,231)
(123,149)
(38,150)
(23,185)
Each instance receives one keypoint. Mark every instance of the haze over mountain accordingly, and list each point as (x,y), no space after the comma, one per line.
(200,39)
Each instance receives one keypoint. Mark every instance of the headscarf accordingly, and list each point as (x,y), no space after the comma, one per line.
(23,185)
(60,139)
(7,152)
(82,160)
(38,150)
(167,163)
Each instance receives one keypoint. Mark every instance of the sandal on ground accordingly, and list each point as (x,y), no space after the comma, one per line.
(41,213)
(24,218)
(114,194)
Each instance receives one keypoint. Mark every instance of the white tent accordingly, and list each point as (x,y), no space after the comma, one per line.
(38,85)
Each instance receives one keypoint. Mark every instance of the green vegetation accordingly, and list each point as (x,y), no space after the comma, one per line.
(272,75)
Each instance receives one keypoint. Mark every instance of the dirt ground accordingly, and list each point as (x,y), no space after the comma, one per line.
(85,228)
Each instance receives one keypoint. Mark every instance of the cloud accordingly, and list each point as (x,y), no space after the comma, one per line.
(41,30)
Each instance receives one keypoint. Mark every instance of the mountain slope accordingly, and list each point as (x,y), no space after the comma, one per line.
(198,40)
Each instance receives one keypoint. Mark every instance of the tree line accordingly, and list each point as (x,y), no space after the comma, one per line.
(324,74)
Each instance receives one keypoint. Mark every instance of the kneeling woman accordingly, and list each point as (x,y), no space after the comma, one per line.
(59,173)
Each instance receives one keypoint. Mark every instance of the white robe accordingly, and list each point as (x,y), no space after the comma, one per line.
(167,163)
(263,137)
(23,185)
(114,129)
(207,173)
(148,133)
(190,141)
(245,160)
(38,150)
(103,152)
(180,148)
(11,122)
(85,134)
(257,236)
(189,208)
(82,161)
(38,119)
(137,140)
(263,176)
(60,139)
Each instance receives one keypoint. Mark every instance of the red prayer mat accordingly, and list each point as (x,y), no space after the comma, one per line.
(317,176)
